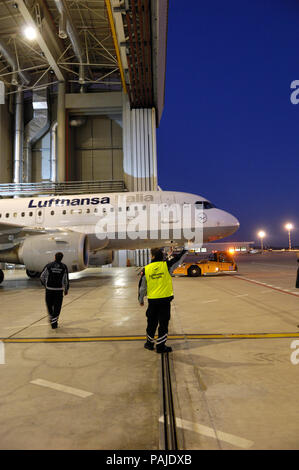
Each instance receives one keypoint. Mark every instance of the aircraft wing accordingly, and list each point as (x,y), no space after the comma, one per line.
(13,234)
(8,227)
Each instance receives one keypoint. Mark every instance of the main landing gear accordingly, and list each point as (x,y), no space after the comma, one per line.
(32,274)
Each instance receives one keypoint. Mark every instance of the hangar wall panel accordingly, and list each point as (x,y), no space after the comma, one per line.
(98,149)
(139,145)
(6,147)
(140,158)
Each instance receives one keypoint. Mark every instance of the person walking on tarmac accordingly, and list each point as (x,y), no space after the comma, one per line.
(156,284)
(55,279)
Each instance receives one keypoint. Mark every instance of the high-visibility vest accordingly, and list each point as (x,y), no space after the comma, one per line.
(158,279)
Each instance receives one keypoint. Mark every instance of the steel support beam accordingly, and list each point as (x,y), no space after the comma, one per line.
(23,9)
(116,46)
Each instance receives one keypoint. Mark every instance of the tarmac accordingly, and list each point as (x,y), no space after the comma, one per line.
(90,384)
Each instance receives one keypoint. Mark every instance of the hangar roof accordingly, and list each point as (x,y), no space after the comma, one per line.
(92,45)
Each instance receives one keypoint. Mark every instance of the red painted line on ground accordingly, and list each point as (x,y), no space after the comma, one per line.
(265,285)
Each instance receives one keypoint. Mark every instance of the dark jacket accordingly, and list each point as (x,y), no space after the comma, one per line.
(172,264)
(297,280)
(55,276)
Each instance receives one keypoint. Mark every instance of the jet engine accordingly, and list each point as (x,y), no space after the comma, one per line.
(37,251)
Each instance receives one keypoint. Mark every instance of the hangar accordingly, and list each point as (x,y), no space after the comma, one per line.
(79,109)
(82,95)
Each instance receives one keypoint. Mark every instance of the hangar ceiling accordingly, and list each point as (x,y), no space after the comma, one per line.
(92,45)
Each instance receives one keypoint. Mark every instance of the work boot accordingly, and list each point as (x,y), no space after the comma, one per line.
(149,346)
(164,349)
(54,325)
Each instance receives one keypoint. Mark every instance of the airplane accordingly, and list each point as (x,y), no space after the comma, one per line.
(88,228)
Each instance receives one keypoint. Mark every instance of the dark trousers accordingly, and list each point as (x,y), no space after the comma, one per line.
(54,300)
(158,313)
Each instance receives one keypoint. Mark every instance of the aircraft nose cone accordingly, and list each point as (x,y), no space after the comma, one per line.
(235,222)
(229,223)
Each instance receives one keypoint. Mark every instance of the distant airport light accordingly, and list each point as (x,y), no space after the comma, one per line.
(30,33)
(261,234)
(231,250)
(289,227)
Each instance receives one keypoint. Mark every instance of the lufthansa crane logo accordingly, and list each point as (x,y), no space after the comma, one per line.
(202,218)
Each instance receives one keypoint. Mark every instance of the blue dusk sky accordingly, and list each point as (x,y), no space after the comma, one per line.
(229,130)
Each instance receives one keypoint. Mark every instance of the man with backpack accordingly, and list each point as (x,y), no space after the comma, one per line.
(55,279)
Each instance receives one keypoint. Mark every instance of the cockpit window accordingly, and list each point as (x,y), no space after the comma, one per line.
(204,205)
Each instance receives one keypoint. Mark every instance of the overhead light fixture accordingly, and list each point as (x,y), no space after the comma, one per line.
(30,33)
(62,26)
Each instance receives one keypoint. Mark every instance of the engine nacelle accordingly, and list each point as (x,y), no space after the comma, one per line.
(101,257)
(39,250)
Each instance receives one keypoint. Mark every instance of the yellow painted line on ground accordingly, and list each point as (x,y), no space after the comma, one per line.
(90,339)
(73,340)
(243,336)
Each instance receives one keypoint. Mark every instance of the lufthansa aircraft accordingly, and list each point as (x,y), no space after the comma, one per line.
(88,228)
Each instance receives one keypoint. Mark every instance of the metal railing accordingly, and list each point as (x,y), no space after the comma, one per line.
(67,187)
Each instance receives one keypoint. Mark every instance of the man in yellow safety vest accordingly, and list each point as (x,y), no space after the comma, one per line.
(156,284)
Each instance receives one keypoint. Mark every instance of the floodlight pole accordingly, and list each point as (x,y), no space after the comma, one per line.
(290,244)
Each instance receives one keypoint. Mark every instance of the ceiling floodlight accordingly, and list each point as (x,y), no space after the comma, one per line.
(30,33)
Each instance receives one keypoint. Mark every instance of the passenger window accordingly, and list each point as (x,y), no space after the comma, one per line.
(7,215)
(30,214)
(52,212)
(64,212)
(87,211)
(23,214)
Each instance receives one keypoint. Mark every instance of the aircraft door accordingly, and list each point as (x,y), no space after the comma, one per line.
(39,216)
(168,209)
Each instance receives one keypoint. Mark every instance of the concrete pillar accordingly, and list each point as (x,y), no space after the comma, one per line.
(61,176)
(6,139)
(53,147)
(18,138)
